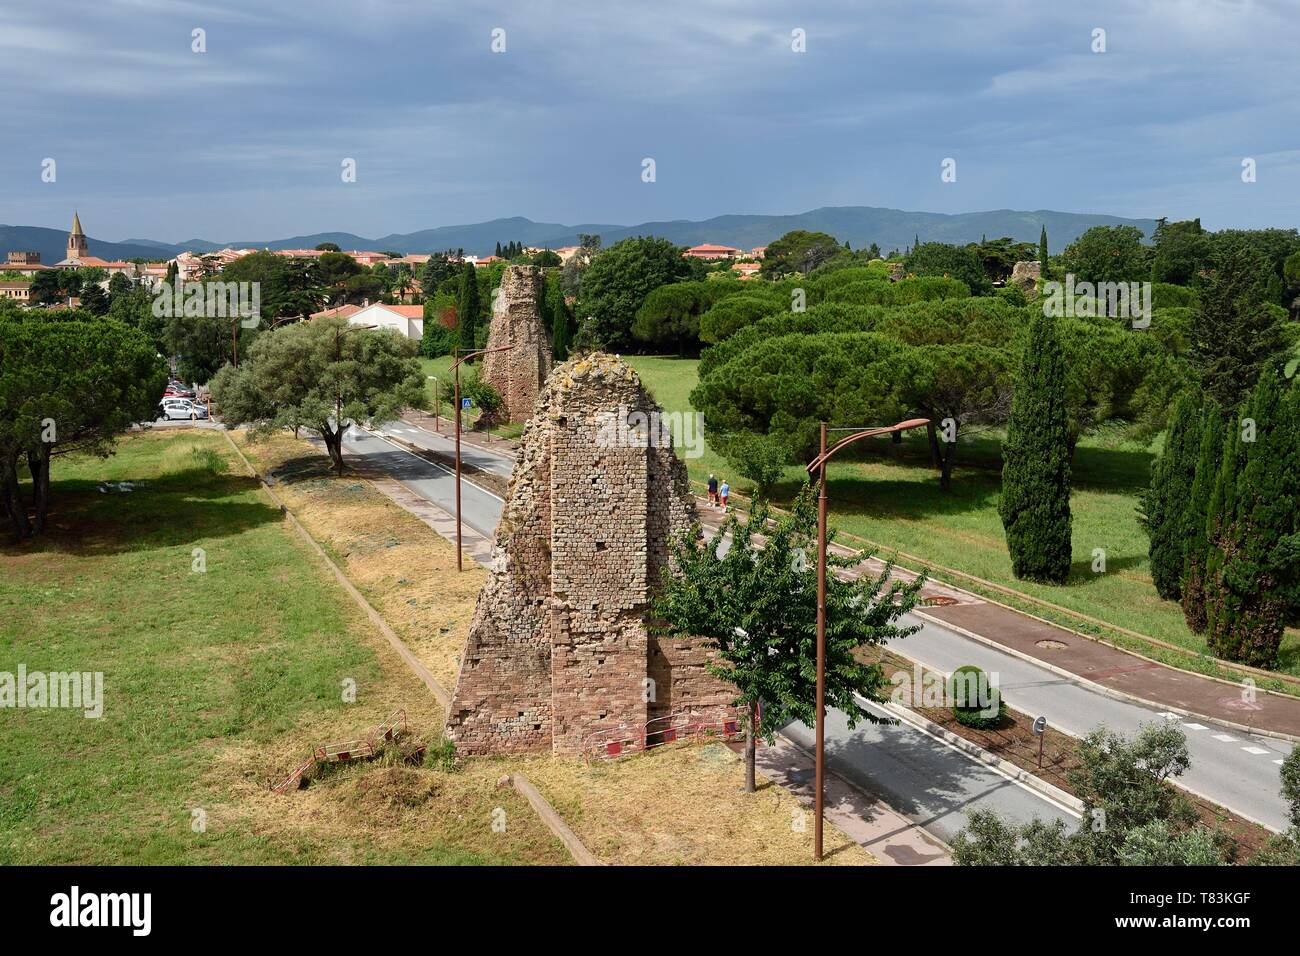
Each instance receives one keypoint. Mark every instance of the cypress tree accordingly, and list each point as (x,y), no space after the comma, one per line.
(1165,504)
(467,307)
(1035,501)
(1234,335)
(558,318)
(1042,252)
(1195,517)
(1254,553)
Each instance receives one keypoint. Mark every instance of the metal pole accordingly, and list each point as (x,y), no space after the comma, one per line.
(821,648)
(459,562)
(437,404)
(1040,748)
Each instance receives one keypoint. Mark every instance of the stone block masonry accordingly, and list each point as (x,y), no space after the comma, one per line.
(520,373)
(560,644)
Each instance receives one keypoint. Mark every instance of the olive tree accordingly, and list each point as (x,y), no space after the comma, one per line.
(322,375)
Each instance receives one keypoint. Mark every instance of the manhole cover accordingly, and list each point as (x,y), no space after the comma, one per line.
(1052,645)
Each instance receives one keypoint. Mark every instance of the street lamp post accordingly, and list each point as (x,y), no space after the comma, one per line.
(455,367)
(818,468)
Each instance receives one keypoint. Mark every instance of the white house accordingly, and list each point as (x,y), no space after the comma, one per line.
(407,319)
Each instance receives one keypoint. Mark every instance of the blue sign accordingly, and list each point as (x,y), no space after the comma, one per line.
(466,403)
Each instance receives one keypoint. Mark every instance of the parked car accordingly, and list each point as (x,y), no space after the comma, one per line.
(174,391)
(180,408)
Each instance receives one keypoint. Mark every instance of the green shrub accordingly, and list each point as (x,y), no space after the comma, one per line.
(973,696)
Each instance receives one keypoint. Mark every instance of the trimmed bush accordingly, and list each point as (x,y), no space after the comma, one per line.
(973,697)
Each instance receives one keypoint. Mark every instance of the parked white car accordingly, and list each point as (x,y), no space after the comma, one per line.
(177,408)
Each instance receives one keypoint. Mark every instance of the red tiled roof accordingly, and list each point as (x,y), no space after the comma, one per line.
(343,310)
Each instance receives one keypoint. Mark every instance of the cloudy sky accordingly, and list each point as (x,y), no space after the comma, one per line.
(246,140)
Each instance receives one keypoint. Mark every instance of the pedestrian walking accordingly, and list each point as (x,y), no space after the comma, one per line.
(723,491)
(713,491)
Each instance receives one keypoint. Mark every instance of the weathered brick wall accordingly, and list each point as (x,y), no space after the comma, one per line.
(559,645)
(520,373)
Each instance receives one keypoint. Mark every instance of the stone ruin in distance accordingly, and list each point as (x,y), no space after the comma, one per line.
(519,374)
(559,645)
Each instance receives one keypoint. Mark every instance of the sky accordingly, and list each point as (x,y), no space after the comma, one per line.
(247,140)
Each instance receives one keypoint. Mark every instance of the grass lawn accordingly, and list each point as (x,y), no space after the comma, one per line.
(890,495)
(215,685)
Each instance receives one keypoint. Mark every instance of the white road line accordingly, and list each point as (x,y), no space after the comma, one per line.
(1257,751)
(427,462)
(1168,715)
(1226,738)
(1277,762)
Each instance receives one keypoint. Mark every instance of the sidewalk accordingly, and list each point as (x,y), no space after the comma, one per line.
(884,833)
(1113,671)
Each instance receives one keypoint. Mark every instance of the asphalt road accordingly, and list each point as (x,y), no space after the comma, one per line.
(480,509)
(929,782)
(1232,768)
(432,441)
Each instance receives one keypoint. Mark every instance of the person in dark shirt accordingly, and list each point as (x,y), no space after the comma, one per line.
(713,491)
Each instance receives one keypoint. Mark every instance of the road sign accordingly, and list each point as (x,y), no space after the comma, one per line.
(1040,725)
(466,403)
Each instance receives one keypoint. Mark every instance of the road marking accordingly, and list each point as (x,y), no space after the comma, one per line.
(1277,762)
(1257,751)
(1225,738)
(427,462)
(1196,727)
(1167,715)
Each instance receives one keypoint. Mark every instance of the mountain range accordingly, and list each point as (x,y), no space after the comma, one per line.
(858,225)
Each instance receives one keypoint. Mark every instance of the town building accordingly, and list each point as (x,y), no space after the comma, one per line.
(707,251)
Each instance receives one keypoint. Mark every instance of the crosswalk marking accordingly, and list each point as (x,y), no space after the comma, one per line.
(1255,750)
(1196,727)
(1225,738)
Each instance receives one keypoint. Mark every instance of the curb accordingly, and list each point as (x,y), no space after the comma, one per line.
(1033,781)
(1007,769)
(554,822)
(1102,689)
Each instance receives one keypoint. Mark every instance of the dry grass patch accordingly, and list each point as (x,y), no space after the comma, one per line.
(385,810)
(683,804)
(401,564)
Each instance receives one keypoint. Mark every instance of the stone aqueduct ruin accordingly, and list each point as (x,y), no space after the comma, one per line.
(559,645)
(517,322)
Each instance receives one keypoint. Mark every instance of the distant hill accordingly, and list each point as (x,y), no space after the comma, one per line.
(858,225)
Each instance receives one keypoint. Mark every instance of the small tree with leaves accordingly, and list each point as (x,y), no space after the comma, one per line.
(757,605)
(1042,252)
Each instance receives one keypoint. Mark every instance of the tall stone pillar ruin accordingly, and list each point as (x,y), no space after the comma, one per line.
(559,645)
(520,373)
